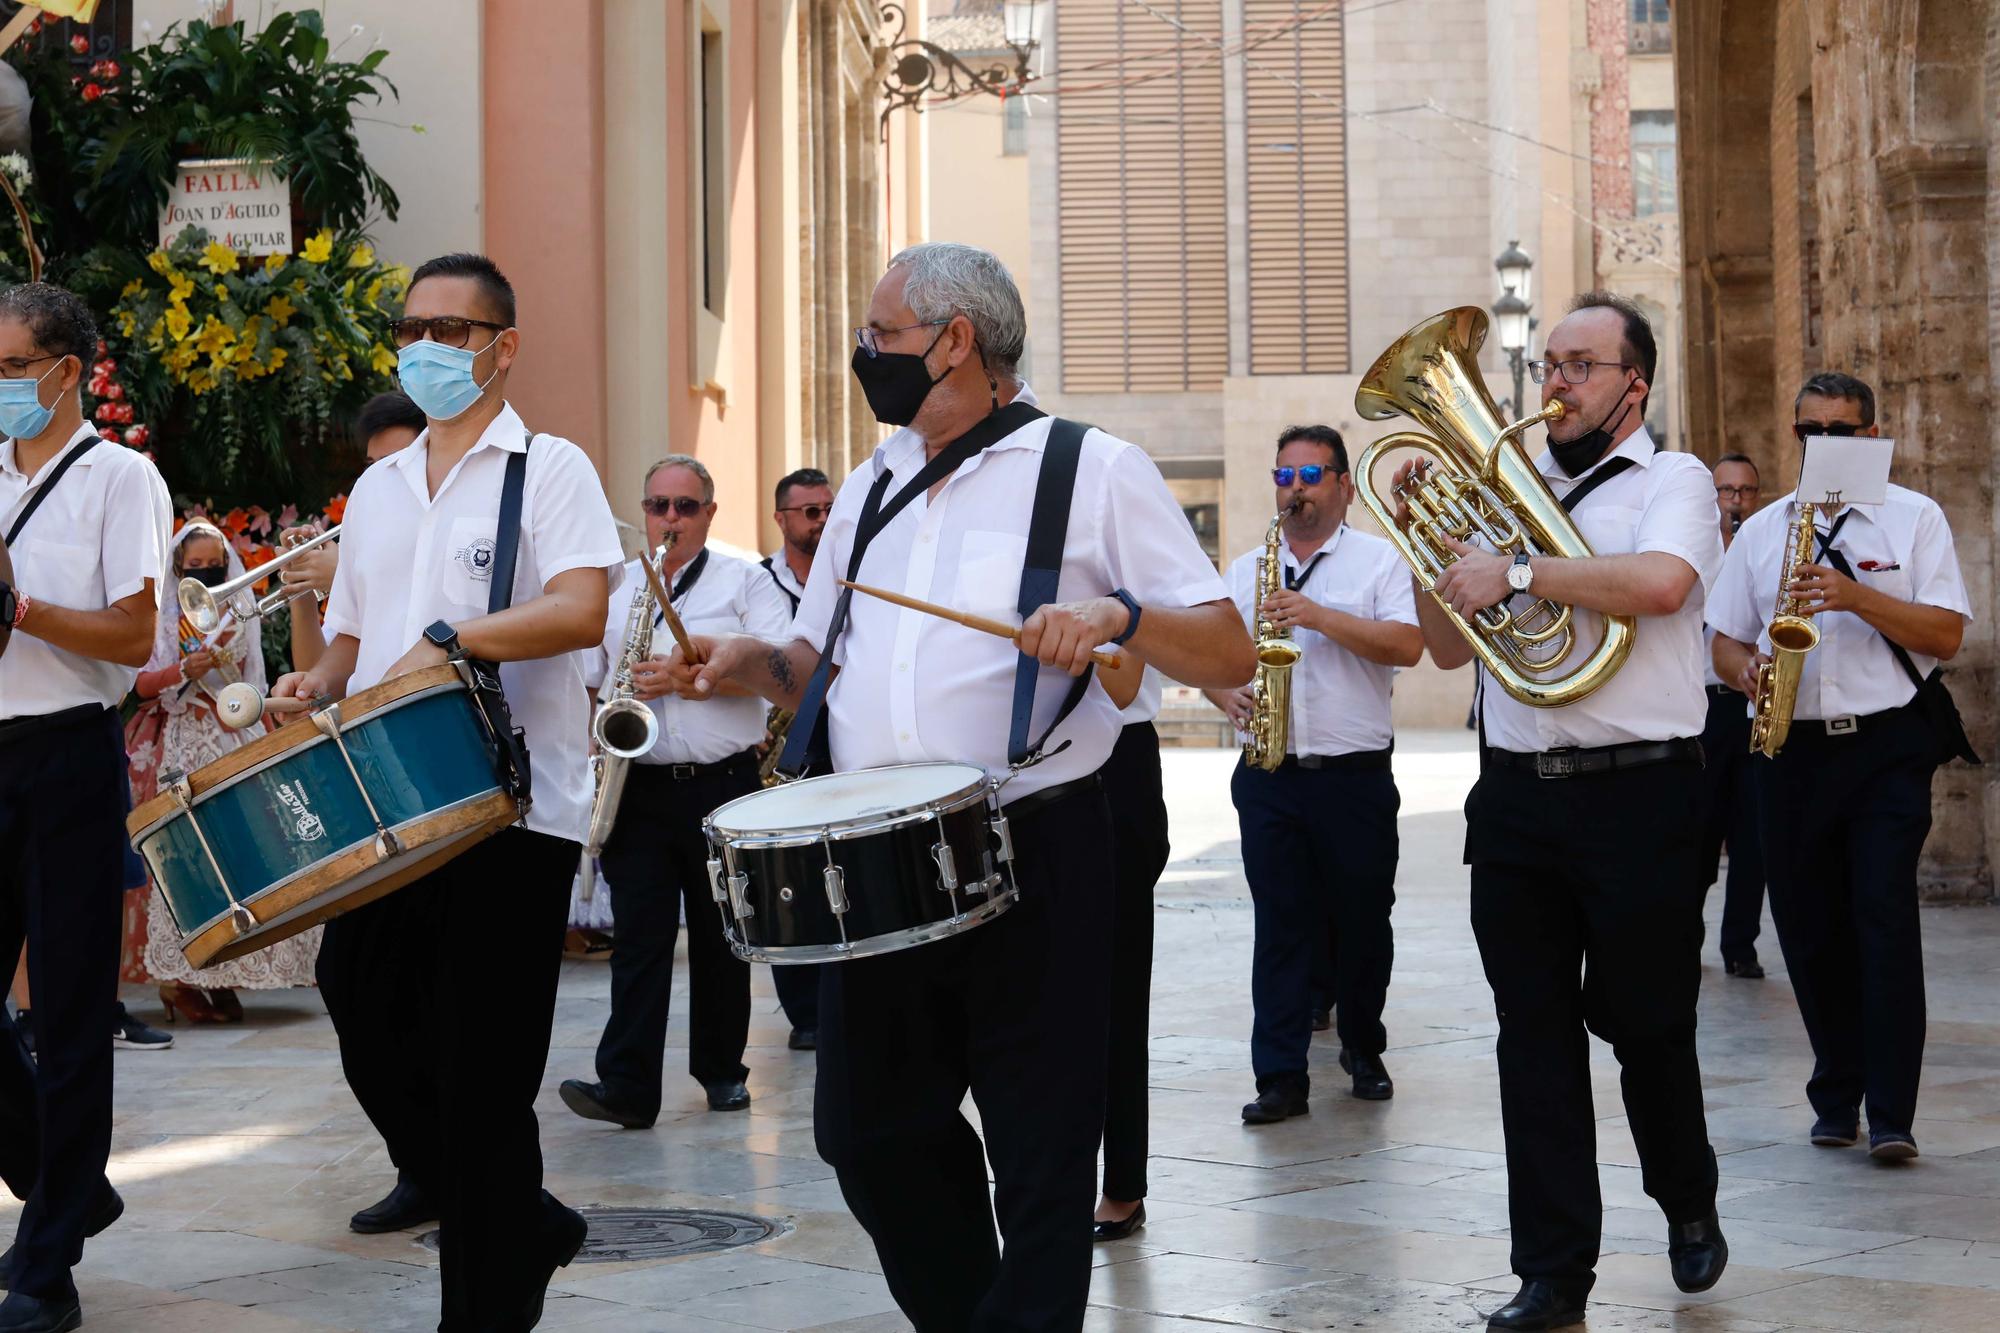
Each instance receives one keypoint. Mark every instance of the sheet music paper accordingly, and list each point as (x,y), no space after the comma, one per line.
(1845,469)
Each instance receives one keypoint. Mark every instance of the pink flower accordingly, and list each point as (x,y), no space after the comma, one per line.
(80,44)
(91,91)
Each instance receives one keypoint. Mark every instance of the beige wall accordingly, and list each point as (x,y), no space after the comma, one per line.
(977,193)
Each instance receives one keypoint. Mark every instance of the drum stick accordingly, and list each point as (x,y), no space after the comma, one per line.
(999,629)
(680,633)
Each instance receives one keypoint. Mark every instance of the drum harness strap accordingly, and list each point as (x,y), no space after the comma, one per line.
(508,742)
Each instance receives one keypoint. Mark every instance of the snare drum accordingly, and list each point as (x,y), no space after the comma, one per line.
(326,814)
(851,865)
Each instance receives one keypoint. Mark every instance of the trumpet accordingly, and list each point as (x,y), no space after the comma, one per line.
(204,606)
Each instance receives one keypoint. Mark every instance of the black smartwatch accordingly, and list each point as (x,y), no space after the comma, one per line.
(445,637)
(1131,606)
(8,604)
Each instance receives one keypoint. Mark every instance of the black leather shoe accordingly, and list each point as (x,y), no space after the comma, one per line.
(1322,1019)
(727,1096)
(1697,1252)
(1371,1080)
(1276,1103)
(1830,1133)
(592,1102)
(567,1231)
(1537,1305)
(803,1039)
(400,1209)
(108,1211)
(1747,968)
(22,1313)
(1102,1231)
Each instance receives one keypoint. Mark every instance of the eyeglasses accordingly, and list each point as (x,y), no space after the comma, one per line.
(16,367)
(1840,428)
(1737,492)
(1309,475)
(447,330)
(1575,371)
(659,506)
(871,338)
(813,513)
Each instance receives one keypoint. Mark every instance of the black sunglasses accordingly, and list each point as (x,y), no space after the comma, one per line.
(1839,428)
(447,330)
(813,513)
(659,506)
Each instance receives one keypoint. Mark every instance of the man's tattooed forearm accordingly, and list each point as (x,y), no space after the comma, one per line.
(780,668)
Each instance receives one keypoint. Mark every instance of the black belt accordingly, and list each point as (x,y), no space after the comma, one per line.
(1357,761)
(1048,796)
(1575,762)
(1723,691)
(738,762)
(1810,729)
(17,729)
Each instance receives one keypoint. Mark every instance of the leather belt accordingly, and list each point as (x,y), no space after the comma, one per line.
(1355,761)
(1847,724)
(17,729)
(1722,691)
(742,759)
(1577,762)
(1047,796)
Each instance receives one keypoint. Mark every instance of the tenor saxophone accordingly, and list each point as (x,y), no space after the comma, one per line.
(623,726)
(1269,732)
(1793,635)
(777,725)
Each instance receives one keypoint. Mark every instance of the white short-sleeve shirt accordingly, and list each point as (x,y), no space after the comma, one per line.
(916,688)
(781,572)
(99,537)
(1665,503)
(1340,702)
(732,596)
(1902,547)
(409,558)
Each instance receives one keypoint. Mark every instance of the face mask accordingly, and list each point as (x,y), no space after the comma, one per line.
(896,383)
(439,378)
(1575,456)
(22,416)
(210,576)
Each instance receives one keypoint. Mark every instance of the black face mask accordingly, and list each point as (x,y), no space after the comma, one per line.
(210,576)
(1575,456)
(896,383)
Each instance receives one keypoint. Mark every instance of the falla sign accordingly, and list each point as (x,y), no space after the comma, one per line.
(237,201)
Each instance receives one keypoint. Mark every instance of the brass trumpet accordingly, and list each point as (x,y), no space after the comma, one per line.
(1482,487)
(204,606)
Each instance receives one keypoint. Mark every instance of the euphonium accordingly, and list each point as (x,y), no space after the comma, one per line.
(623,726)
(1271,689)
(1792,637)
(1482,486)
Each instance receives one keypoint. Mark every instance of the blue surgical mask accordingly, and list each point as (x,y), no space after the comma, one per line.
(22,416)
(439,378)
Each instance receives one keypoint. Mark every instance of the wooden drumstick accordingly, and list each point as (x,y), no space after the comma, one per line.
(680,633)
(997,628)
(239,705)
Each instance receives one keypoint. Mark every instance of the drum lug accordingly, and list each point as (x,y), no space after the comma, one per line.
(715,880)
(836,889)
(1002,835)
(947,865)
(327,722)
(240,918)
(739,903)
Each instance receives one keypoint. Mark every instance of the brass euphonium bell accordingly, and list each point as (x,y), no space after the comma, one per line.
(1482,486)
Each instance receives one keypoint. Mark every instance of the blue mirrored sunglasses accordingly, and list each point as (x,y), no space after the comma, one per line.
(1309,475)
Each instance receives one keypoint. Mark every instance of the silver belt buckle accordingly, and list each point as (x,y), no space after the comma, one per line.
(1844,725)
(1555,764)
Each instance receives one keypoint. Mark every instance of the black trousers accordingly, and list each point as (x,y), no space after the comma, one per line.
(62,830)
(448,1079)
(1729,815)
(1845,818)
(1016,1011)
(1133,790)
(1590,876)
(656,862)
(1318,845)
(797,985)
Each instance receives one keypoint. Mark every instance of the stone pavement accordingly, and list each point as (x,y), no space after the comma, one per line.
(241,1154)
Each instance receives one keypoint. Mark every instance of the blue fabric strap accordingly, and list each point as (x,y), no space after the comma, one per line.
(1048,532)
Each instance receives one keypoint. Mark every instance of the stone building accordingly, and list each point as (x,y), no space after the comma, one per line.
(1841,206)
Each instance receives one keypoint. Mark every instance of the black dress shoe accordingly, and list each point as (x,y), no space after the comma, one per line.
(1747,968)
(1279,1102)
(592,1102)
(1102,1231)
(803,1039)
(1830,1133)
(109,1210)
(1889,1145)
(400,1209)
(727,1096)
(1538,1305)
(1371,1080)
(1697,1252)
(566,1232)
(1322,1019)
(22,1313)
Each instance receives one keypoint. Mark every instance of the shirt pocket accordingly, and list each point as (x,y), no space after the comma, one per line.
(60,573)
(469,558)
(1609,529)
(1892,582)
(988,581)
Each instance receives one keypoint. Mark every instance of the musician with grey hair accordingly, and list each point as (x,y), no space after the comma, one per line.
(655,859)
(982,502)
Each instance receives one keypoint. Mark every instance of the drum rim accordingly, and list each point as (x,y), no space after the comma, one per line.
(980,788)
(297,738)
(874,946)
(824,833)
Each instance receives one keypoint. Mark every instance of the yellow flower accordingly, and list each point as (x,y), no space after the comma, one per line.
(363,256)
(299,286)
(200,382)
(179,322)
(373,292)
(280,309)
(381,360)
(128,323)
(215,336)
(249,369)
(218,258)
(274,262)
(347,290)
(132,289)
(277,360)
(181,357)
(160,264)
(154,335)
(179,288)
(319,248)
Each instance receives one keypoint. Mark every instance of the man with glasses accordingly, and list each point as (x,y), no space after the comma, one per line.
(655,860)
(1319,832)
(1846,804)
(1729,799)
(803,501)
(1584,826)
(408,978)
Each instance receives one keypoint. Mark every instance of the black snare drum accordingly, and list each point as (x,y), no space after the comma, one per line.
(855,864)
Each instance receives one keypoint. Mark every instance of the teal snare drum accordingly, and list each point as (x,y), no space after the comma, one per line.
(326,814)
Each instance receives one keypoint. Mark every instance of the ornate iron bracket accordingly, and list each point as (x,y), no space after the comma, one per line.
(923,69)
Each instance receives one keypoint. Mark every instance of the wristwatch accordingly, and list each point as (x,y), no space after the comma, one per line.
(1520,574)
(445,637)
(8,604)
(1132,606)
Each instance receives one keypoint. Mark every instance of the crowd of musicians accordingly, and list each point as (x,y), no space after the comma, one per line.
(1592,832)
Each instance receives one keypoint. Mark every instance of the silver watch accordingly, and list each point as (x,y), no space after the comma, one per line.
(1520,574)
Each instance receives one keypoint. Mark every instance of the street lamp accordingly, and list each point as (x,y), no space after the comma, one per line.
(1513,318)
(923,70)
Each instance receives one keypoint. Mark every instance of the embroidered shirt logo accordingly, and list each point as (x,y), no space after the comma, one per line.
(304,822)
(476,559)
